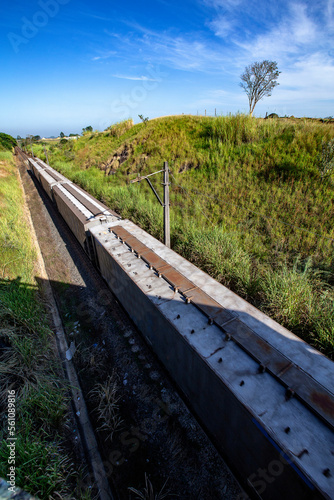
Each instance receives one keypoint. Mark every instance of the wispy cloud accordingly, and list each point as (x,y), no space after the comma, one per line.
(310,78)
(188,52)
(136,78)
(222,26)
(94,16)
(330,14)
(225,4)
(106,55)
(297,31)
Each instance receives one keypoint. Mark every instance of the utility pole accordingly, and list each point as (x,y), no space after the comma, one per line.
(165,203)
(31,147)
(46,154)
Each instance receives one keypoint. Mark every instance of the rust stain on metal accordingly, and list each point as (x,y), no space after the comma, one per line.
(263,344)
(323,401)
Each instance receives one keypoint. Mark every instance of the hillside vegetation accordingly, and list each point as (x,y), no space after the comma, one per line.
(7,142)
(251,203)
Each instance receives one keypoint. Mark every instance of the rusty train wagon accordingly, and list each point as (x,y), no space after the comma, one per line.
(264,396)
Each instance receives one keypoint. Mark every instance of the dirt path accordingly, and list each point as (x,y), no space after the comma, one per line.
(157,434)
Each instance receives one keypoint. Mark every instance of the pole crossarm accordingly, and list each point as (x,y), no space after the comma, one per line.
(165,203)
(141,178)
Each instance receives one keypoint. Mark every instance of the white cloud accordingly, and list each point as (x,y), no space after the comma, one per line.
(310,77)
(140,78)
(295,32)
(188,52)
(105,55)
(226,4)
(330,14)
(221,26)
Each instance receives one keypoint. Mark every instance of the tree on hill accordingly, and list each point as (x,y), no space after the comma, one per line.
(87,129)
(258,81)
(61,135)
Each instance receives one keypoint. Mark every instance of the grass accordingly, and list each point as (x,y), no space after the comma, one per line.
(148,491)
(106,400)
(250,203)
(28,363)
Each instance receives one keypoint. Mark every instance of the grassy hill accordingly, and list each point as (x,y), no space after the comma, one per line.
(250,203)
(7,142)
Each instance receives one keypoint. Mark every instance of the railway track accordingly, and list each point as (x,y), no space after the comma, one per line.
(264,395)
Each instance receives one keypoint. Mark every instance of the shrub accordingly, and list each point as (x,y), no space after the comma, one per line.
(7,141)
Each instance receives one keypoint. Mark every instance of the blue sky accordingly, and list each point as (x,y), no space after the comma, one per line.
(67,64)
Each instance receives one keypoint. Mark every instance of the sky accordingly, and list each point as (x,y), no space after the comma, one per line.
(69,64)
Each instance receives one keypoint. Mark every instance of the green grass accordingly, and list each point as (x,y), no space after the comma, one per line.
(249,204)
(28,363)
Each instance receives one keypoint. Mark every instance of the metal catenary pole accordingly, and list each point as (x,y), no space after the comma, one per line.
(166,205)
(46,154)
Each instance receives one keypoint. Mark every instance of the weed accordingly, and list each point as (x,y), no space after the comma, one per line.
(148,492)
(106,398)
(326,166)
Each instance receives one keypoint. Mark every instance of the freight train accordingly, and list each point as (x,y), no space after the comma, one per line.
(263,395)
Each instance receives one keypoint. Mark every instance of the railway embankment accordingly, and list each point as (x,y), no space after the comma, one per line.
(38,450)
(143,427)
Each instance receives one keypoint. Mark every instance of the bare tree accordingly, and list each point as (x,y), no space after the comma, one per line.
(258,81)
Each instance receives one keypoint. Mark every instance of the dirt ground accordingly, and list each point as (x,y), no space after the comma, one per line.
(154,431)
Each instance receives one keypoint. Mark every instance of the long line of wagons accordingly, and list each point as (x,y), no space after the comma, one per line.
(264,396)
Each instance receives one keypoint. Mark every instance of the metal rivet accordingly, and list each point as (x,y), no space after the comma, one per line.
(178,316)
(242,383)
(262,368)
(220,360)
(227,337)
(287,430)
(327,473)
(210,321)
(192,331)
(176,289)
(187,300)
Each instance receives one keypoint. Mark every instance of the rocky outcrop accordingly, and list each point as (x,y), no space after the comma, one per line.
(119,157)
